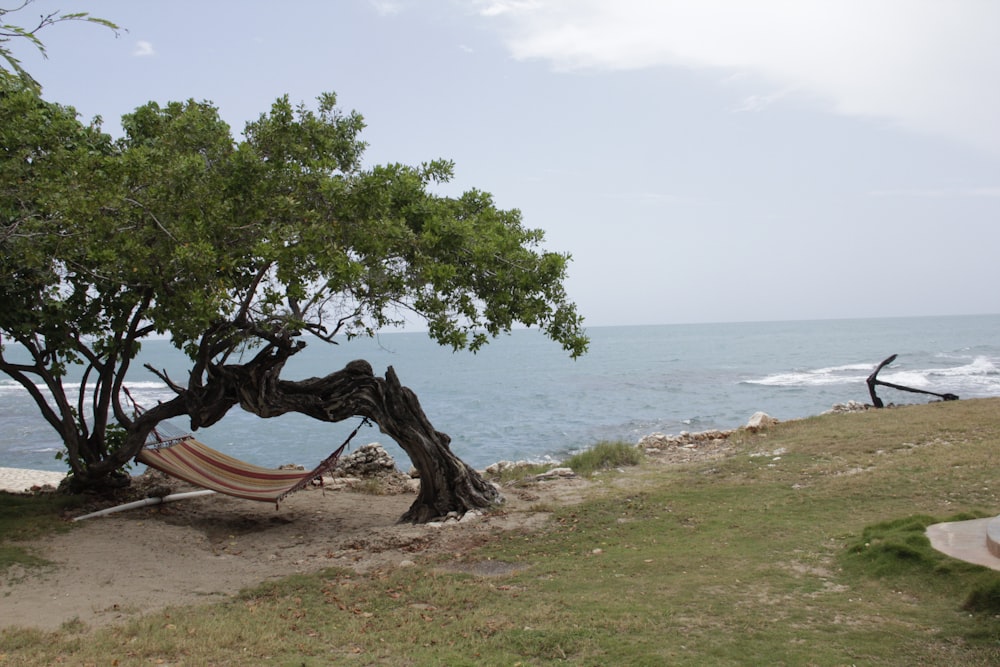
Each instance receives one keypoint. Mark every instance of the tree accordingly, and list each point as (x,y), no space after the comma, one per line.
(10,32)
(228,246)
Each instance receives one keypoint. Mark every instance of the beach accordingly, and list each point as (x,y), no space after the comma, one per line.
(19,480)
(208,548)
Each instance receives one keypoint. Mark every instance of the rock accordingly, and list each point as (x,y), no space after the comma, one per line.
(850,406)
(368,461)
(499,467)
(683,440)
(159,491)
(372,470)
(760,421)
(556,473)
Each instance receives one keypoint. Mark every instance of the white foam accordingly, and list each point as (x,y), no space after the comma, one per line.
(821,376)
(867,368)
(980,376)
(915,379)
(145,392)
(978,366)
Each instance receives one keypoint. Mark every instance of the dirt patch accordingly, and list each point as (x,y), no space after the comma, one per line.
(110,569)
(113,568)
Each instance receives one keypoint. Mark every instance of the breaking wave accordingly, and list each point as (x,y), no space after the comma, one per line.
(979,376)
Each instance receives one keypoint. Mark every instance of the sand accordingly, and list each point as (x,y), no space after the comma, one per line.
(17,480)
(111,569)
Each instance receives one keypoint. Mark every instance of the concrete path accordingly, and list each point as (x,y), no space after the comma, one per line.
(970,541)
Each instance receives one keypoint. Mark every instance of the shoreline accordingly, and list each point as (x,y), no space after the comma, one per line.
(27,480)
(24,480)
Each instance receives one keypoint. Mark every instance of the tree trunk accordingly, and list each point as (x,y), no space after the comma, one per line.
(104,473)
(447,484)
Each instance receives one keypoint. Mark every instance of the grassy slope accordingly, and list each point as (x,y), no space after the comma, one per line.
(757,559)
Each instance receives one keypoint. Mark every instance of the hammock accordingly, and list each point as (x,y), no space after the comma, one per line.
(185,458)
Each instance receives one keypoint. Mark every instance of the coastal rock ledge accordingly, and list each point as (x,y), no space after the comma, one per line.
(685,447)
(759,421)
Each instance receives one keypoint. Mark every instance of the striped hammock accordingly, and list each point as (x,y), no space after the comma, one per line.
(185,458)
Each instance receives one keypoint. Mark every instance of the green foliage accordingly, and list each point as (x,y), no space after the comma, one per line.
(604,456)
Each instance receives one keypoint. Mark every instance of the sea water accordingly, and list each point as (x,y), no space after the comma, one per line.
(522,397)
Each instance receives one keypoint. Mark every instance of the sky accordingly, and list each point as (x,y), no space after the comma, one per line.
(702,161)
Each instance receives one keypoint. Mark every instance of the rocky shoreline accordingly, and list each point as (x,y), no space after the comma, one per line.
(372,463)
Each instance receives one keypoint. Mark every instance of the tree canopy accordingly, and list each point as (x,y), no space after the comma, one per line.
(224,244)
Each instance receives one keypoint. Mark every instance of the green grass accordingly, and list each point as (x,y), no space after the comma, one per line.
(899,550)
(23,517)
(604,456)
(805,548)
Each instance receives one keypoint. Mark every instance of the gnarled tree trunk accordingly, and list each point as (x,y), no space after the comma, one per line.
(447,484)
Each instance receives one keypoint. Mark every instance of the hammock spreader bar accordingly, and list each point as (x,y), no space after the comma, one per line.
(145,502)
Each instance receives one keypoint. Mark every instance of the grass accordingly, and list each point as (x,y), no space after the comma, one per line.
(899,550)
(604,456)
(804,548)
(24,517)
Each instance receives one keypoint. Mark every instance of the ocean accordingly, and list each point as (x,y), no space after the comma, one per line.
(523,398)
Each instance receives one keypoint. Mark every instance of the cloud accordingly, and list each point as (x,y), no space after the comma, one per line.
(143,49)
(929,66)
(760,102)
(386,7)
(502,7)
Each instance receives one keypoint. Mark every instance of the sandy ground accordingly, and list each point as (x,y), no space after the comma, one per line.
(17,480)
(110,569)
(113,568)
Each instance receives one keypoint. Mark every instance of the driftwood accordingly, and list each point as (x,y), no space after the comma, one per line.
(873,381)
